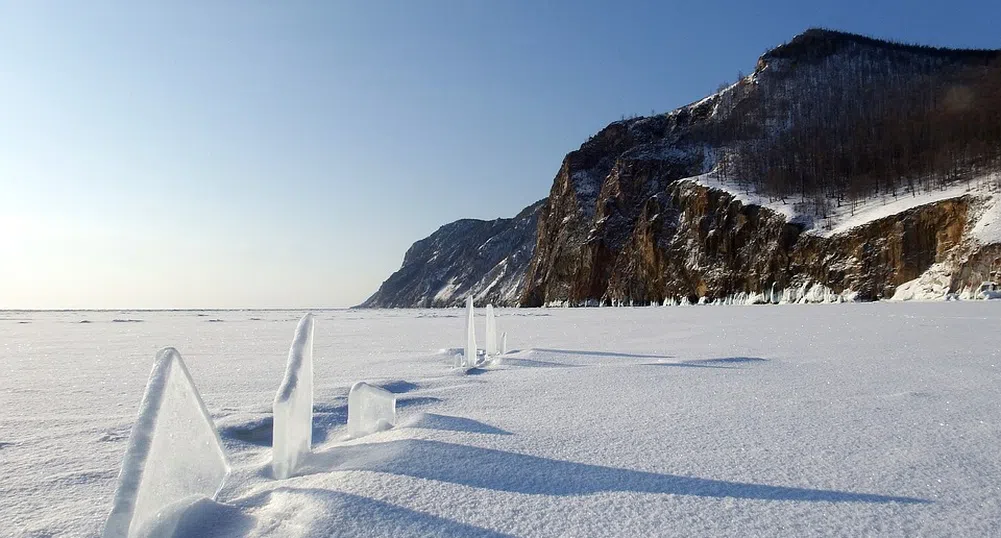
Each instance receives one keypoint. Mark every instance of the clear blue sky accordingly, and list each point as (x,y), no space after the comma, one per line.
(269,154)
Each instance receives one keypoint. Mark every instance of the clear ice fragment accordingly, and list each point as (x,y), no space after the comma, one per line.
(370,409)
(491,345)
(174,452)
(469,357)
(292,435)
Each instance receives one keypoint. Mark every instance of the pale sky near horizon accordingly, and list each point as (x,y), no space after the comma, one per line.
(286,154)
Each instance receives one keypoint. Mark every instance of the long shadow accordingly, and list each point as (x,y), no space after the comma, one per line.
(345,514)
(603,353)
(728,360)
(521,473)
(529,363)
(412,401)
(710,363)
(689,365)
(432,421)
(399,387)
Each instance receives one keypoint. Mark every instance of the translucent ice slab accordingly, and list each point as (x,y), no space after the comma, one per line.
(174,452)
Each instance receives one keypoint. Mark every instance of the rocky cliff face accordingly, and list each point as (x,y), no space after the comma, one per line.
(620,225)
(487,259)
(696,242)
(631,217)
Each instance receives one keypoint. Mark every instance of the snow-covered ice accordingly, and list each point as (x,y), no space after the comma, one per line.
(293,405)
(370,409)
(792,420)
(174,455)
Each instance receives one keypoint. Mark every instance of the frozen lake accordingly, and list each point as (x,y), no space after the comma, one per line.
(858,419)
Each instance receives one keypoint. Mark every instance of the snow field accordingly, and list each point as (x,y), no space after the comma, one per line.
(852,419)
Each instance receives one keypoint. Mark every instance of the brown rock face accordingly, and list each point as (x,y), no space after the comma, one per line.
(876,258)
(598,195)
(692,241)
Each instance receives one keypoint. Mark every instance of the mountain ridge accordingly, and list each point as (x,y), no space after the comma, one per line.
(618,226)
(486,258)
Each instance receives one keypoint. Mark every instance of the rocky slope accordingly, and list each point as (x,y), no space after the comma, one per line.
(648,209)
(487,259)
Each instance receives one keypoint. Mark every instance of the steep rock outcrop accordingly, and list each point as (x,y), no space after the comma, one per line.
(618,226)
(628,219)
(487,259)
(698,242)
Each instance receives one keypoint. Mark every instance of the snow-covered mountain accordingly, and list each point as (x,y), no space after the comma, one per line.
(842,163)
(487,259)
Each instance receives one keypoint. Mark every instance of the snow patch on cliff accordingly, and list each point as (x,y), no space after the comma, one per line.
(745,195)
(987,230)
(932,285)
(447,291)
(845,218)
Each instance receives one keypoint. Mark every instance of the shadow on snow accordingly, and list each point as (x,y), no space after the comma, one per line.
(532,475)
(529,363)
(722,363)
(602,353)
(432,421)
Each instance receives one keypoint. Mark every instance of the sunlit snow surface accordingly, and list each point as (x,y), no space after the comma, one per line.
(861,419)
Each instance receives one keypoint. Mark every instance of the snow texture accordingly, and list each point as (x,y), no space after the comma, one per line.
(860,419)
(174,453)
(845,218)
(469,355)
(292,436)
(491,340)
(370,409)
(932,285)
(987,230)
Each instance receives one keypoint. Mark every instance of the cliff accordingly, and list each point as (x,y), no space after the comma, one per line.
(842,163)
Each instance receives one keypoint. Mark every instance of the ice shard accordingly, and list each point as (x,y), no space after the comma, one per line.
(174,453)
(491,345)
(469,357)
(292,435)
(370,409)
(503,348)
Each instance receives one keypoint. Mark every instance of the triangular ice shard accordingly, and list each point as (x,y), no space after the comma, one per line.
(292,436)
(469,358)
(174,451)
(370,409)
(491,345)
